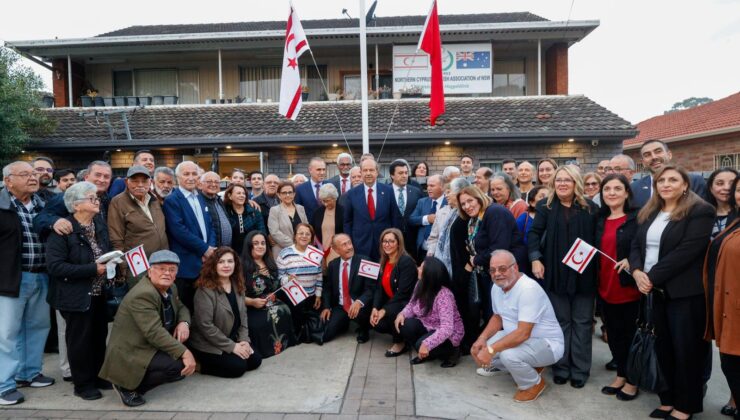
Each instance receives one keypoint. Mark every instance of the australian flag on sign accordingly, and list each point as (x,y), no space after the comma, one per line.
(473,60)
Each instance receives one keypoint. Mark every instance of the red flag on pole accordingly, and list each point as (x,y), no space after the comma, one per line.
(290,82)
(431,43)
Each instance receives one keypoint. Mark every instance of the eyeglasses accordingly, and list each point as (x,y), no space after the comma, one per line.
(389,241)
(287,192)
(93,200)
(502,269)
(212,182)
(344,164)
(563,181)
(47,170)
(24,174)
(171,270)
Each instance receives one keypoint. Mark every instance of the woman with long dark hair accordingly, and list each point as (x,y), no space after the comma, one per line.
(667,255)
(270,322)
(524,221)
(395,286)
(616,226)
(430,322)
(566,215)
(220,335)
(242,216)
(718,195)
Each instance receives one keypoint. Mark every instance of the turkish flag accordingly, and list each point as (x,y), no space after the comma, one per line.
(290,82)
(431,43)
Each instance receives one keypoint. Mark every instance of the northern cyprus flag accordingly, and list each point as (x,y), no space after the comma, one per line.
(290,83)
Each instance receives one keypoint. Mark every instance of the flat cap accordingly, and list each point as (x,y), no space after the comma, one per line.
(164,256)
(138,169)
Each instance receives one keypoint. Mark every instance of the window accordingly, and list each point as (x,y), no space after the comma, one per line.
(123,83)
(263,83)
(509,78)
(352,87)
(155,82)
(188,87)
(731,160)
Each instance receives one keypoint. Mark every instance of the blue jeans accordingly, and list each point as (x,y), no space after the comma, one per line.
(24,326)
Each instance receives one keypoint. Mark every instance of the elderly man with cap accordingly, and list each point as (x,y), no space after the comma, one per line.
(136,218)
(146,343)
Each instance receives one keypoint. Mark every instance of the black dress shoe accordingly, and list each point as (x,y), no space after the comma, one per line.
(728,410)
(611,390)
(103,384)
(670,417)
(660,414)
(363,336)
(578,383)
(612,365)
(452,360)
(417,361)
(129,398)
(67,378)
(89,394)
(623,396)
(391,353)
(559,380)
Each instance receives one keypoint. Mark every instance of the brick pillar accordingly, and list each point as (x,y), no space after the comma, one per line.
(60,85)
(556,64)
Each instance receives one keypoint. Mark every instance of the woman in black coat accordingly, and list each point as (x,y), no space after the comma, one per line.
(565,216)
(242,217)
(77,283)
(667,255)
(616,226)
(398,275)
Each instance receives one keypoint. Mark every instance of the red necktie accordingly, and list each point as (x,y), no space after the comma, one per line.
(346,299)
(370,203)
(344,185)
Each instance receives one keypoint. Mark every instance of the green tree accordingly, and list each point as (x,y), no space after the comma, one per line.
(688,103)
(20,99)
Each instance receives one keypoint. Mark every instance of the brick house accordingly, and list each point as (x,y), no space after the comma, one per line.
(701,139)
(223,83)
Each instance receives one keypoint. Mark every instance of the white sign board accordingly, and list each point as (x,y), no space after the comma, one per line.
(466,68)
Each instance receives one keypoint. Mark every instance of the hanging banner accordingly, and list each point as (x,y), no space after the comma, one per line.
(466,68)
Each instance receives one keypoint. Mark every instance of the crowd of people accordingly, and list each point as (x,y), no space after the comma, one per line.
(461,262)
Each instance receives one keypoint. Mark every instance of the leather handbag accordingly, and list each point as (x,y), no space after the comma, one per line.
(313,330)
(473,291)
(114,294)
(643,368)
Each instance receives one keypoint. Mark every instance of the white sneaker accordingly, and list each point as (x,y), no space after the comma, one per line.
(491,371)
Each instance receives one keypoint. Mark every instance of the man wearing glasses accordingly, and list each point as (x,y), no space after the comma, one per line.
(44,168)
(24,312)
(342,181)
(523,335)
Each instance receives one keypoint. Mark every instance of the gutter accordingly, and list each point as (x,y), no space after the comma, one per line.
(691,136)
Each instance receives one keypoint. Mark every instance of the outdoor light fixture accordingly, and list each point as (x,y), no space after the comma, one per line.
(334,145)
(228,147)
(118,150)
(447,143)
(571,140)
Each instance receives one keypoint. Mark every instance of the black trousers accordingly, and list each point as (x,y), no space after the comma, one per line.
(386,324)
(470,313)
(414,332)
(339,322)
(226,365)
(681,350)
(299,313)
(484,291)
(161,370)
(621,329)
(86,335)
(731,368)
(186,291)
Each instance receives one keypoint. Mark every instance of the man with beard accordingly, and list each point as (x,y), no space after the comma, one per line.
(523,335)
(342,181)
(164,182)
(655,155)
(44,169)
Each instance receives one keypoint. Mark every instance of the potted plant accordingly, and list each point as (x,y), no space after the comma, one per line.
(411,92)
(385,92)
(337,95)
(304,92)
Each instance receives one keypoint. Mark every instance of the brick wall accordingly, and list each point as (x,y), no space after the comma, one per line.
(556,69)
(60,86)
(698,154)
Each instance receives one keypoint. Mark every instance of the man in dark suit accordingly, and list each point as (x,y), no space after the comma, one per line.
(342,181)
(307,194)
(369,209)
(425,212)
(347,296)
(406,198)
(655,155)
(189,229)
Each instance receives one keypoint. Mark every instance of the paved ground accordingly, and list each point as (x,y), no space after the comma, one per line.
(343,380)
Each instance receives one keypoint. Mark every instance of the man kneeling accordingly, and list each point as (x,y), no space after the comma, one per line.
(146,343)
(523,336)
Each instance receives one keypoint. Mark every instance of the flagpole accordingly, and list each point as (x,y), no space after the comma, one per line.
(363,79)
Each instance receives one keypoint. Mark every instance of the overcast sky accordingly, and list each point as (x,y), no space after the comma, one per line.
(645,56)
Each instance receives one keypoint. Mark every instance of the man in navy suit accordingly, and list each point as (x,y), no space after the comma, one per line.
(342,181)
(406,198)
(307,194)
(369,209)
(189,229)
(655,155)
(425,213)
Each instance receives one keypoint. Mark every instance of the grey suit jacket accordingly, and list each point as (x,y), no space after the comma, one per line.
(213,320)
(281,230)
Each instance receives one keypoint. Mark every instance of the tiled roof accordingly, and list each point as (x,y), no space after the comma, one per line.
(323,23)
(722,113)
(528,118)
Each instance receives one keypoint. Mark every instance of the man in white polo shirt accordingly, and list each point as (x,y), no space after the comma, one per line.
(523,336)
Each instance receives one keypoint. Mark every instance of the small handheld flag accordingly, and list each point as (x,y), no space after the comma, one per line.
(296,293)
(579,255)
(369,269)
(137,261)
(313,255)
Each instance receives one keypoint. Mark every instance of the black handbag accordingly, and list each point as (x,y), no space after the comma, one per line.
(643,368)
(473,290)
(313,330)
(114,294)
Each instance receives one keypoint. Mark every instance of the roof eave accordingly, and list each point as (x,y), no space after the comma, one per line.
(691,136)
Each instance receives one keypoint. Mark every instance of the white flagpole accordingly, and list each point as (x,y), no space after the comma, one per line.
(363,79)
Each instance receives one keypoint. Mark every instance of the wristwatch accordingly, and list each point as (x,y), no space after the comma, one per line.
(491,351)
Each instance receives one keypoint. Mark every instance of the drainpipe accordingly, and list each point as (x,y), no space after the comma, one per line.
(69,81)
(220,78)
(539,67)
